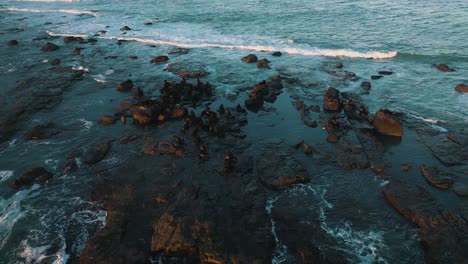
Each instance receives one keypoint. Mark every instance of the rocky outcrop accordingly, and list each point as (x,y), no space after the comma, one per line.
(263,92)
(386,124)
(49,47)
(251,58)
(331,100)
(96,152)
(436,178)
(443,235)
(44,131)
(462,88)
(32,176)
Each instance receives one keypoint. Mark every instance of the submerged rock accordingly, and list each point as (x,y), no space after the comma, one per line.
(55,62)
(125,28)
(277,53)
(44,131)
(159,59)
(30,177)
(96,152)
(49,47)
(444,68)
(462,88)
(125,86)
(106,120)
(376,77)
(251,58)
(12,43)
(263,63)
(386,123)
(436,178)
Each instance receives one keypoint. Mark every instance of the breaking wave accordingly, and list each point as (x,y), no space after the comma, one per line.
(33,10)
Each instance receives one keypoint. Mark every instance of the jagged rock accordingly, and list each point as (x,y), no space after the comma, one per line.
(386,123)
(125,86)
(462,88)
(251,58)
(44,131)
(277,53)
(331,100)
(30,177)
(125,28)
(159,59)
(436,178)
(49,47)
(263,63)
(445,68)
(96,152)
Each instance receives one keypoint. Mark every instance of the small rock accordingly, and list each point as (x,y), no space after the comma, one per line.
(366,85)
(376,77)
(314,108)
(251,58)
(277,53)
(445,68)
(276,78)
(106,120)
(405,167)
(72,39)
(125,28)
(12,43)
(125,86)
(462,88)
(49,47)
(179,51)
(159,59)
(385,72)
(77,51)
(30,177)
(133,57)
(263,63)
(332,138)
(331,101)
(55,62)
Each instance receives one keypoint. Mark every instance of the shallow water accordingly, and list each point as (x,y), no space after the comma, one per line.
(51,223)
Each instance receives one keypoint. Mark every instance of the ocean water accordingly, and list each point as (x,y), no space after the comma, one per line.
(48,224)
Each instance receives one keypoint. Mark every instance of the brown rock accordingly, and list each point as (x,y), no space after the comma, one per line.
(445,68)
(386,124)
(30,177)
(331,101)
(263,63)
(49,47)
(251,58)
(159,59)
(125,86)
(436,178)
(106,120)
(55,62)
(141,119)
(332,138)
(405,167)
(462,88)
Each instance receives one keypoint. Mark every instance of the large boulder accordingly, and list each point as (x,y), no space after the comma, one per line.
(49,47)
(386,123)
(331,100)
(462,88)
(30,177)
(96,152)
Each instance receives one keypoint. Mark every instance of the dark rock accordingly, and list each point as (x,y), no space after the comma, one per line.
(133,57)
(331,101)
(376,77)
(148,23)
(445,68)
(277,53)
(366,85)
(71,39)
(12,43)
(106,120)
(30,177)
(462,88)
(194,70)
(280,171)
(125,86)
(96,152)
(125,28)
(436,178)
(251,58)
(405,167)
(49,47)
(42,132)
(159,59)
(310,123)
(385,72)
(77,51)
(351,155)
(55,62)
(179,51)
(386,123)
(263,63)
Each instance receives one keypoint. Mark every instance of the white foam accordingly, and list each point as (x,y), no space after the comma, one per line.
(48,1)
(279,256)
(33,254)
(34,10)
(5,175)
(11,212)
(88,124)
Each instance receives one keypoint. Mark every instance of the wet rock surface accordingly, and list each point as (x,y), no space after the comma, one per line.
(40,132)
(386,124)
(32,176)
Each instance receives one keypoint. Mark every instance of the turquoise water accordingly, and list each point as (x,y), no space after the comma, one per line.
(406,37)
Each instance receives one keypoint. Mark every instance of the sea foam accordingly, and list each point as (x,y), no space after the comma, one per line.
(34,10)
